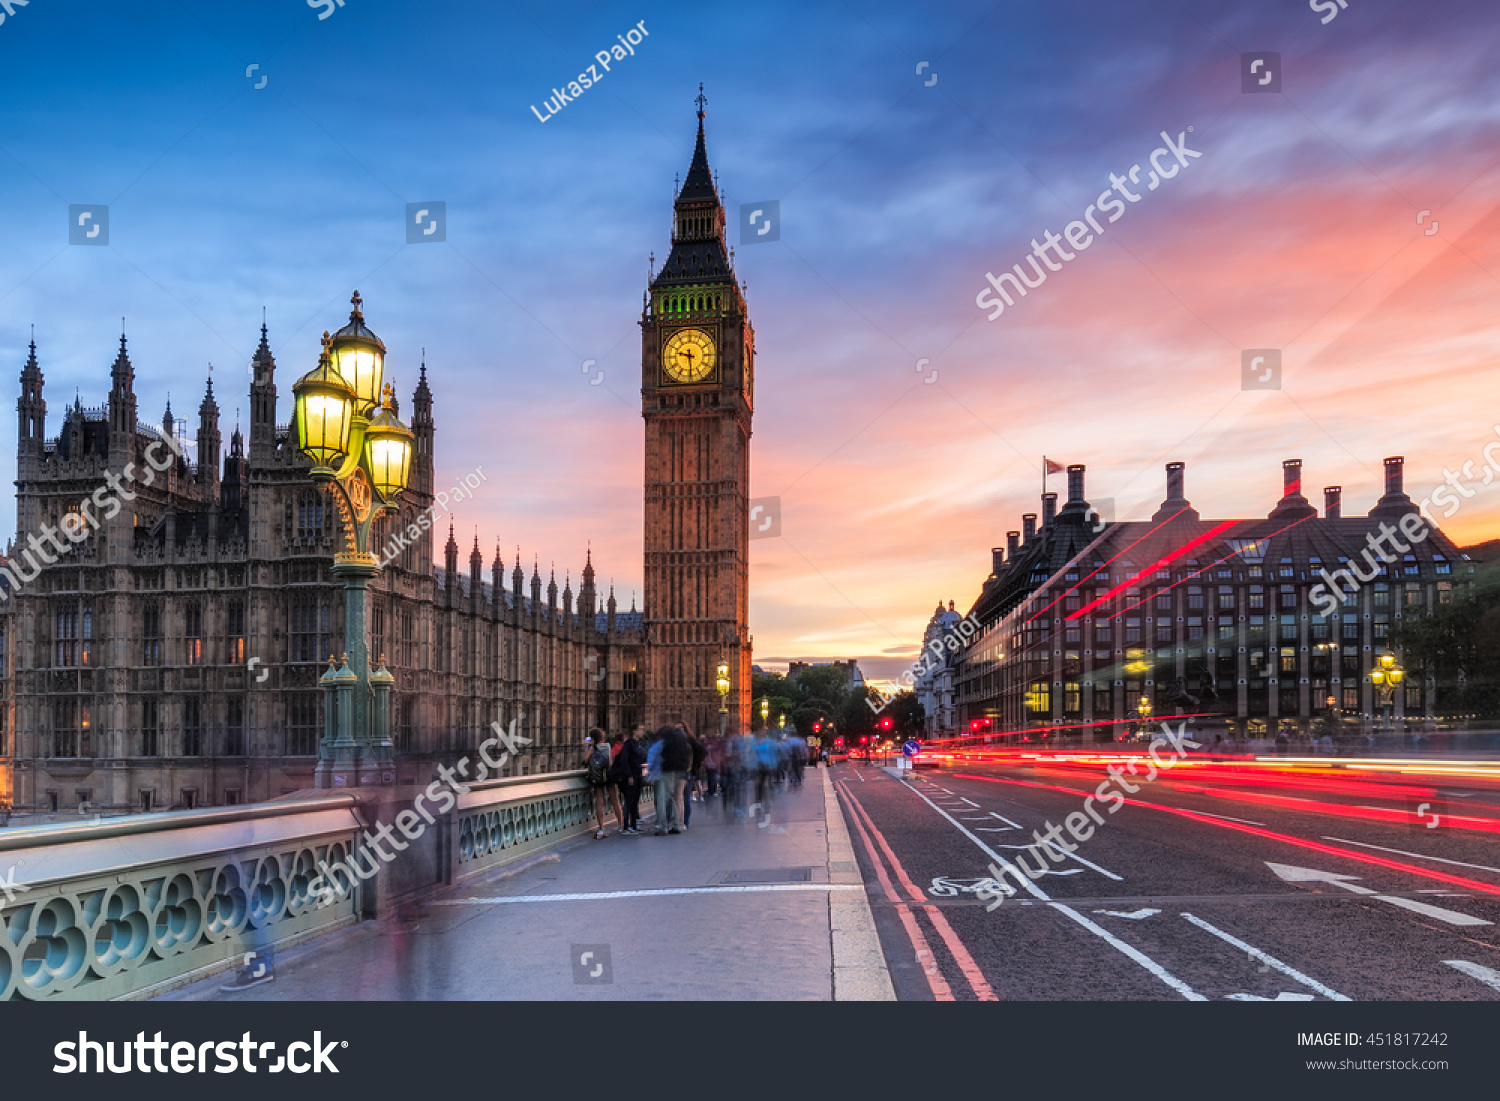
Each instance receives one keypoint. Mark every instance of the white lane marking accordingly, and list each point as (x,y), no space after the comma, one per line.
(1452,917)
(861,778)
(1255,953)
(1226,818)
(1486,975)
(597,896)
(972,803)
(1284,996)
(943,790)
(1419,856)
(1090,864)
(1007,821)
(1293,874)
(1134,915)
(1092,926)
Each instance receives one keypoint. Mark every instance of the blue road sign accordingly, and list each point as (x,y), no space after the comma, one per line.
(911,749)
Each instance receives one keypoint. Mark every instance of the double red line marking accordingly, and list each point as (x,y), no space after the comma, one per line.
(966,965)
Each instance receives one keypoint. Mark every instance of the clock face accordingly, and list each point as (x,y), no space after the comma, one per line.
(689,356)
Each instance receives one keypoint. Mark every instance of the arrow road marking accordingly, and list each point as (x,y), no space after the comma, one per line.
(1255,953)
(1134,915)
(1293,874)
(1484,974)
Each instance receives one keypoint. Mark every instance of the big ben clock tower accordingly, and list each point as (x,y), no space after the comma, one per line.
(697,374)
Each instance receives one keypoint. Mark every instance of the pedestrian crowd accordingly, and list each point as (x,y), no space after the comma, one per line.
(744,773)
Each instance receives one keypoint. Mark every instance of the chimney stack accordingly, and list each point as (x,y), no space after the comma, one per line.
(1028,527)
(1393,479)
(1049,510)
(1333,502)
(1176,505)
(1075,482)
(997,560)
(1012,545)
(1291,477)
(1174,481)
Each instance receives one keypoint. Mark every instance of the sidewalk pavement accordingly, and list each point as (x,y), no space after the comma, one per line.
(728,910)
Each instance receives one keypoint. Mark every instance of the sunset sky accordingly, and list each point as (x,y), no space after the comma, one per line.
(1298,228)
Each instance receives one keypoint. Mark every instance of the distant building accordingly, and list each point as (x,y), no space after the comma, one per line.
(1192,616)
(856,679)
(933,670)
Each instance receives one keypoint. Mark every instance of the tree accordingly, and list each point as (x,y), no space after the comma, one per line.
(907,712)
(1458,645)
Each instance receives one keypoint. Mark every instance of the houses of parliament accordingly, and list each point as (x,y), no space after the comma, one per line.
(170,657)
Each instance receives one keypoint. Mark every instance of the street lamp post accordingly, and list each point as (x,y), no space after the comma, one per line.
(723,686)
(765,709)
(1143,709)
(362,454)
(1386,677)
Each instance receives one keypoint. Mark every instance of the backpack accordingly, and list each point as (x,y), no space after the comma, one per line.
(598,766)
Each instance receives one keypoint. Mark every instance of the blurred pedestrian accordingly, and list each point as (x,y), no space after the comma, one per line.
(626,774)
(676,759)
(596,764)
(695,771)
(712,766)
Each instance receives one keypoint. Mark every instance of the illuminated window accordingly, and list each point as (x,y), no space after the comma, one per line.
(192,634)
(234,624)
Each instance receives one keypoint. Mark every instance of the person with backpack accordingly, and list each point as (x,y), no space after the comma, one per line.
(626,774)
(596,764)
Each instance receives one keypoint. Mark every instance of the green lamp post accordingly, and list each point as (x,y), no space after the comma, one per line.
(362,454)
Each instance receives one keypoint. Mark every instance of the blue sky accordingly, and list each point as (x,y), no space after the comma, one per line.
(1296,229)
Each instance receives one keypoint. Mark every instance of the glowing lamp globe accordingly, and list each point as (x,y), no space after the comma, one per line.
(388,451)
(325,413)
(359,356)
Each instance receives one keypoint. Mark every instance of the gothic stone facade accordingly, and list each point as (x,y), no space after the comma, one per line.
(171,657)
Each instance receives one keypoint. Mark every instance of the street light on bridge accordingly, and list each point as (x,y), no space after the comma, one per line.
(362,453)
(723,686)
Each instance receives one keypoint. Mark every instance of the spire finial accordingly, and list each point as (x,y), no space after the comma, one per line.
(357,314)
(701,101)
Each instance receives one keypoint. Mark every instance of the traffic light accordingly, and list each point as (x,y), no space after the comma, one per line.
(817,727)
(838,743)
(885,724)
(864,740)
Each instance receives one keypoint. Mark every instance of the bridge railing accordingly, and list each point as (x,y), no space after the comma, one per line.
(125,907)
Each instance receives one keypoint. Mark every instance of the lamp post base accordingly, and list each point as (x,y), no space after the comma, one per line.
(355,766)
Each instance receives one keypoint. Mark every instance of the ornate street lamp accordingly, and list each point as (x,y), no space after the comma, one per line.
(362,454)
(722,682)
(1386,677)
